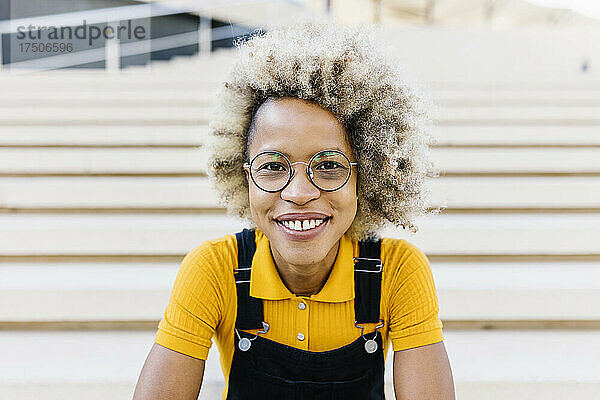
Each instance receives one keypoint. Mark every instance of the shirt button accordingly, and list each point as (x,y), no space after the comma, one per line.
(300,336)
(301,306)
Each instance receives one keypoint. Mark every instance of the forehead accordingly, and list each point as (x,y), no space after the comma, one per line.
(297,128)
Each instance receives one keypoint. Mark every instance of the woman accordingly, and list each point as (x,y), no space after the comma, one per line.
(318,142)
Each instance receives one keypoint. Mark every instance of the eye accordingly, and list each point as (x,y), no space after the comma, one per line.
(328,165)
(272,166)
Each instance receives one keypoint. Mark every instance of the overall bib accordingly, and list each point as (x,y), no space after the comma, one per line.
(264,369)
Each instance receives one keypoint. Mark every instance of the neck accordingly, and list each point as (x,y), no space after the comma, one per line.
(305,279)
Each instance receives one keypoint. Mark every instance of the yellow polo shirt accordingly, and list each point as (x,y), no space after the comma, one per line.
(203,302)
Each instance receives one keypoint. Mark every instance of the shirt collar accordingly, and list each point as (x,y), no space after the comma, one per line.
(265,282)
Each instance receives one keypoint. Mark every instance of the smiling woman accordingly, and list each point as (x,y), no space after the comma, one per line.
(299,130)
(317,143)
(347,72)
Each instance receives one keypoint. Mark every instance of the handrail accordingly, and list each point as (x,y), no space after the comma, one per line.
(106,15)
(125,49)
(92,16)
(103,15)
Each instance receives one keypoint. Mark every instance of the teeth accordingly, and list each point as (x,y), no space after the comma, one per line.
(303,225)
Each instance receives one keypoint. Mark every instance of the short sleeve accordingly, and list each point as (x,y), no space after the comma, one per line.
(413,303)
(195,306)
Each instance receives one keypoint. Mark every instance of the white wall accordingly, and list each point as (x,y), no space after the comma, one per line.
(474,55)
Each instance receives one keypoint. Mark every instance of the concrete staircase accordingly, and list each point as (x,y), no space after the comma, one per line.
(103,191)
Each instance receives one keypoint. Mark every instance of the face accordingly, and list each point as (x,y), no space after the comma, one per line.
(299,129)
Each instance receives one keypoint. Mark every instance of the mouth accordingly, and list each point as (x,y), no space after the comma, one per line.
(302,229)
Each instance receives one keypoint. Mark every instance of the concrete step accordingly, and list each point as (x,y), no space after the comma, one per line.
(135,193)
(180,92)
(84,135)
(175,234)
(181,97)
(130,292)
(107,192)
(77,81)
(164,112)
(517,115)
(78,291)
(14,135)
(187,72)
(99,160)
(499,96)
(192,160)
(486,364)
(492,390)
(517,160)
(54,116)
(518,135)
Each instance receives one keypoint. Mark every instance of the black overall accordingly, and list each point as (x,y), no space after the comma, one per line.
(270,370)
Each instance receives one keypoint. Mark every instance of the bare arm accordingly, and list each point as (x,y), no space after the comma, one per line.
(169,375)
(423,373)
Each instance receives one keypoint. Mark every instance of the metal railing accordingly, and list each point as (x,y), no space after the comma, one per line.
(114,49)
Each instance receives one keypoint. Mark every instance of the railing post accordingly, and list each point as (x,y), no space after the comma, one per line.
(1,52)
(204,34)
(112,50)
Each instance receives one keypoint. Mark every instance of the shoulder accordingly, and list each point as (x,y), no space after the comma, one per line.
(215,256)
(398,250)
(401,258)
(214,248)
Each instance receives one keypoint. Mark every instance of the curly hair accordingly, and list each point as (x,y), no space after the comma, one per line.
(349,72)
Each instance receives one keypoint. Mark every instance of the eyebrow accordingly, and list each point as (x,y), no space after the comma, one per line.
(288,155)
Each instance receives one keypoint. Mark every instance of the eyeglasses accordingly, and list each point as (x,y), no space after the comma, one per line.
(328,170)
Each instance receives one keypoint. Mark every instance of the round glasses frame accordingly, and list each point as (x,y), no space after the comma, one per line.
(308,170)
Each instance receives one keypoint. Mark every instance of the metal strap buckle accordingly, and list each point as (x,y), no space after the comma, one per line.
(244,344)
(241,269)
(376,261)
(362,328)
(370,344)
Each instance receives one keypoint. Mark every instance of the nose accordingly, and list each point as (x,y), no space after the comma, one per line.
(300,189)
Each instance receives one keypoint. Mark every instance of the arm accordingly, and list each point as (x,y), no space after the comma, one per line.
(174,367)
(423,373)
(169,375)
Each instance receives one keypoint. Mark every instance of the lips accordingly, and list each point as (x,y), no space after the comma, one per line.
(301,216)
(303,226)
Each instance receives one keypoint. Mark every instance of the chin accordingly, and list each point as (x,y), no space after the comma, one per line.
(304,256)
(302,247)
(301,252)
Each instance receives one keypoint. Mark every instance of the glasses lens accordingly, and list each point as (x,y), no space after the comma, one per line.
(270,171)
(330,170)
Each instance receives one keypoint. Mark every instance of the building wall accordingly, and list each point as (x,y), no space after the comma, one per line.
(506,55)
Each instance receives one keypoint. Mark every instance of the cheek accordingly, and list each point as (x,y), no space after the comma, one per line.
(255,201)
(352,192)
(347,200)
(260,203)
(353,197)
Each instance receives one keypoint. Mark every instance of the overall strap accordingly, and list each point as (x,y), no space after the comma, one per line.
(367,281)
(249,309)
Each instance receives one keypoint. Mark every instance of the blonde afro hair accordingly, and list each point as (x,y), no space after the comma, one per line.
(348,72)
